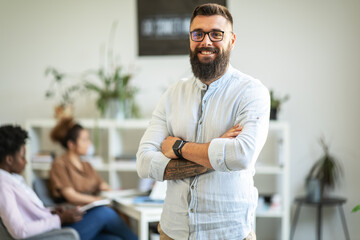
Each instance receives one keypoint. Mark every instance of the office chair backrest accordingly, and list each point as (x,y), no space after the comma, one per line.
(4,234)
(41,188)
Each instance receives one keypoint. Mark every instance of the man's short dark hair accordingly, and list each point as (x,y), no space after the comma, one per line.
(11,140)
(210,9)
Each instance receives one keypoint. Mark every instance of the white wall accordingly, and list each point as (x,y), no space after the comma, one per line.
(308,49)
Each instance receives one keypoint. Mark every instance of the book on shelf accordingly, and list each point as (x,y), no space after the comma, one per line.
(280,152)
(95,161)
(98,203)
(43,157)
(125,158)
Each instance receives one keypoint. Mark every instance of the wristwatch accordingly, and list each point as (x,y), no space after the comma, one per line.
(178,145)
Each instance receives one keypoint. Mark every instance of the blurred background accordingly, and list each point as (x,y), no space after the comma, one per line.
(309,50)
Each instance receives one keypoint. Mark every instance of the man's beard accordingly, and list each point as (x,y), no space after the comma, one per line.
(210,70)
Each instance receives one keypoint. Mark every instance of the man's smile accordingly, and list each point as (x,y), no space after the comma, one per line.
(207,52)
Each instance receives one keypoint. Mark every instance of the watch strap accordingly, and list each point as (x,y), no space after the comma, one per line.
(181,147)
(177,151)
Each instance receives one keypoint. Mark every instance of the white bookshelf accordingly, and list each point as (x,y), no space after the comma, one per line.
(114,140)
(272,178)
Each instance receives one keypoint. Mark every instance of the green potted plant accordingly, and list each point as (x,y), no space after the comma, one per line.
(63,91)
(115,95)
(324,174)
(275,103)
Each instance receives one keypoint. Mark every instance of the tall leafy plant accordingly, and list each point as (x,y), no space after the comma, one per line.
(113,86)
(327,169)
(110,83)
(61,89)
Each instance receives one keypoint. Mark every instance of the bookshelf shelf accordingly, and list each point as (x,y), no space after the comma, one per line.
(114,139)
(272,180)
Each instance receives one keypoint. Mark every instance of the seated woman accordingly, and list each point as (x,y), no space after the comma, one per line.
(75,180)
(21,211)
(70,177)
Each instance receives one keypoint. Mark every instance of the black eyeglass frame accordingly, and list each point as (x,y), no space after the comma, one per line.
(207,33)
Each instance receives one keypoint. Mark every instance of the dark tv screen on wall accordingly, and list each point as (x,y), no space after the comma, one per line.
(163,26)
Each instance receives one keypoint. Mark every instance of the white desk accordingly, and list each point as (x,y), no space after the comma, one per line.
(143,214)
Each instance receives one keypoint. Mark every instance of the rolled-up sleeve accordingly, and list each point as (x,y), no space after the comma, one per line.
(241,152)
(150,161)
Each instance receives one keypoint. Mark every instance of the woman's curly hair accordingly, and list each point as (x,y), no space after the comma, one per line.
(11,140)
(65,130)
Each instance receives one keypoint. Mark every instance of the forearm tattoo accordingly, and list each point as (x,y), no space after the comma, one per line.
(180,169)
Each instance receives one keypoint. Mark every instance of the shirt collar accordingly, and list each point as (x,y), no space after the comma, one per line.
(218,82)
(13,176)
(20,181)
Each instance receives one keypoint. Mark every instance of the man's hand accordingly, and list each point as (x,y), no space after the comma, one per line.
(69,215)
(232,132)
(166,147)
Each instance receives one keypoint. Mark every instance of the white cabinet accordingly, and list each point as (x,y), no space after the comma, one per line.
(115,143)
(272,181)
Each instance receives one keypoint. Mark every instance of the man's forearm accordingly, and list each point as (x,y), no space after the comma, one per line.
(197,153)
(180,169)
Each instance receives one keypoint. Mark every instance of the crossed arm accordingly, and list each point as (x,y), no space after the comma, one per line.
(196,156)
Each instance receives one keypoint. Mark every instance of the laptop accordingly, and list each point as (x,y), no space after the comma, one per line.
(156,196)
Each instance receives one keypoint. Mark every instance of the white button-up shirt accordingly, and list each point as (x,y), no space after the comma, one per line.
(219,204)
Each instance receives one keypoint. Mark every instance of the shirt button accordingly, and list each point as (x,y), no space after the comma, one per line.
(200,122)
(192,187)
(192,210)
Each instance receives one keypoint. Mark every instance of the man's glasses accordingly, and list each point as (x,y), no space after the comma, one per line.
(215,36)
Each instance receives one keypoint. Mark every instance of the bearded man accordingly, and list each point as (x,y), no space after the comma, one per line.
(204,138)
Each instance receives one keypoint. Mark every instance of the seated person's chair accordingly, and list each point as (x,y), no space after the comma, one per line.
(57,234)
(41,188)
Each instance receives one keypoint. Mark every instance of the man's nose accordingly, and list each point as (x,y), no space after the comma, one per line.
(206,41)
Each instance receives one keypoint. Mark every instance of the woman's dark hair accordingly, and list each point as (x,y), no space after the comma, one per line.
(66,130)
(11,140)
(210,9)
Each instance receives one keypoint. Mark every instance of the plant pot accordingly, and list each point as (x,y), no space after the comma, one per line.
(313,190)
(273,113)
(115,109)
(62,111)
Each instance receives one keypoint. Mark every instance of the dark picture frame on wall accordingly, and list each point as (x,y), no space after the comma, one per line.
(163,26)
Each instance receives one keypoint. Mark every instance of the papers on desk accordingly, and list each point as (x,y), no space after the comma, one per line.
(139,198)
(121,193)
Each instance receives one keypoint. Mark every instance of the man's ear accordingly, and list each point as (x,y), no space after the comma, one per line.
(232,41)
